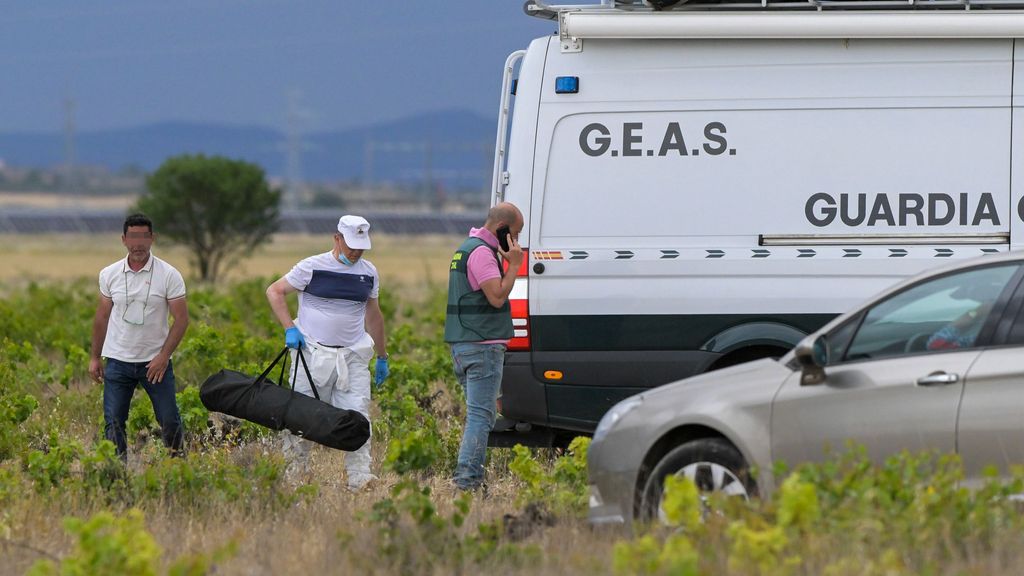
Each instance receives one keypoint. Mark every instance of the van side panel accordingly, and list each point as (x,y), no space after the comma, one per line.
(1017,149)
(676,157)
(658,188)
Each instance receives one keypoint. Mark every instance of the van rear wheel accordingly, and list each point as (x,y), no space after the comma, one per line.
(713,464)
(747,354)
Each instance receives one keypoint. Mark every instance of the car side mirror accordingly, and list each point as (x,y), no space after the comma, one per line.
(812,356)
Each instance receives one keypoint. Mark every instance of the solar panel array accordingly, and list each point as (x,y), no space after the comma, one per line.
(31,221)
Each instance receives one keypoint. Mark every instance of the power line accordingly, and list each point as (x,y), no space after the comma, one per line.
(295,114)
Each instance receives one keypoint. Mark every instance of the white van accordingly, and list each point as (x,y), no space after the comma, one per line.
(706,185)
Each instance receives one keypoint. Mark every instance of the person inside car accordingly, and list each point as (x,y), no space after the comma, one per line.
(961,332)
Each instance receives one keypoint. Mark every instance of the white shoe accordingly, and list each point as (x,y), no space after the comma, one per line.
(358,482)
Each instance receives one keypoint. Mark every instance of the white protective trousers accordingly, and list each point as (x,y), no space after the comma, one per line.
(343,380)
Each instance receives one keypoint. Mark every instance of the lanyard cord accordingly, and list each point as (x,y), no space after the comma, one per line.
(148,291)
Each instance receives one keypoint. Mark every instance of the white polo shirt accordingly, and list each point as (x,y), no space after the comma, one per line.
(332,298)
(138,325)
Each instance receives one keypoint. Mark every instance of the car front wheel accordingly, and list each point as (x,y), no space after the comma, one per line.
(713,464)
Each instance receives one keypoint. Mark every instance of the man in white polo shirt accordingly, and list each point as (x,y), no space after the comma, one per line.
(131,331)
(339,327)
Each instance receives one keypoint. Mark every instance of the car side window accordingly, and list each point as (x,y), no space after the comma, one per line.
(1016,335)
(939,314)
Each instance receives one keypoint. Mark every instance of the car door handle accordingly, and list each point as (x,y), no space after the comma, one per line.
(938,379)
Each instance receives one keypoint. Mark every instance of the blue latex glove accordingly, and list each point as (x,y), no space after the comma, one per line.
(381,371)
(293,338)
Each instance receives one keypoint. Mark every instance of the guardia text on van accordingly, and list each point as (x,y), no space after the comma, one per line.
(936,209)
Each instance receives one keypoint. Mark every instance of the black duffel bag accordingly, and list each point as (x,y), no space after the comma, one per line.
(262,401)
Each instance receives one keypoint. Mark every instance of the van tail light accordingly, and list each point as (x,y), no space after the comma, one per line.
(519,303)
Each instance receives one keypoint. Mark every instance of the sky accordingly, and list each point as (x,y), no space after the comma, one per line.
(341,63)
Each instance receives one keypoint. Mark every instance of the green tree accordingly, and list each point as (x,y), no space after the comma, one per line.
(219,208)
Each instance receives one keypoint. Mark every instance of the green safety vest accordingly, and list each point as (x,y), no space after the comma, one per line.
(470,317)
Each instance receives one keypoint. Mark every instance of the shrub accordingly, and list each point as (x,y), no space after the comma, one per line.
(413,537)
(15,409)
(910,514)
(563,488)
(50,468)
(122,546)
(201,482)
(107,545)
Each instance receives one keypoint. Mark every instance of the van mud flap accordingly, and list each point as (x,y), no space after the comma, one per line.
(530,436)
(524,434)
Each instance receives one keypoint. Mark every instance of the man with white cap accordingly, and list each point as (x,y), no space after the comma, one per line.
(339,326)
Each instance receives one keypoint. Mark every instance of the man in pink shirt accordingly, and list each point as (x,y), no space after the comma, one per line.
(478,326)
(483,266)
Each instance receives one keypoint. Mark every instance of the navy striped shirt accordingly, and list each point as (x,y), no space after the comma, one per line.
(332,299)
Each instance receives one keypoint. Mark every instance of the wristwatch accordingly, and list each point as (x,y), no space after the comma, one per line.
(384,357)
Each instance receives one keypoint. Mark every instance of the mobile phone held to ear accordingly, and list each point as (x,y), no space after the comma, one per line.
(502,234)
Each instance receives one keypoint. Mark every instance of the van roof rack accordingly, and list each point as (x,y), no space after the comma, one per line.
(542,9)
(778,19)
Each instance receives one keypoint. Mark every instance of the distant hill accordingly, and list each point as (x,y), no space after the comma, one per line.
(453,148)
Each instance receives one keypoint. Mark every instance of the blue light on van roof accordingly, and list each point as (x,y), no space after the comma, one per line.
(567,85)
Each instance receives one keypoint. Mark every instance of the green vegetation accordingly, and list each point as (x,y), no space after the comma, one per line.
(68,505)
(123,547)
(911,515)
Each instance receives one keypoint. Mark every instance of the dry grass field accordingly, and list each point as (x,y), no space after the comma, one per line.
(400,259)
(37,199)
(334,532)
(844,518)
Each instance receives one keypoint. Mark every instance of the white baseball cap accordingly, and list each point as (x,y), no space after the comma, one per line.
(356,231)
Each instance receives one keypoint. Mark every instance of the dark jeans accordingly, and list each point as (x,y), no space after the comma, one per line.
(119,382)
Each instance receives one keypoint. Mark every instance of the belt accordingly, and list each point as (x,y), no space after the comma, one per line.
(328,345)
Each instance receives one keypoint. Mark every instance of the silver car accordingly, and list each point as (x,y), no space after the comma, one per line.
(934,363)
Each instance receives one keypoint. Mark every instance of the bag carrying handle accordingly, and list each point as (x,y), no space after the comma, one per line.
(302,359)
(309,377)
(263,376)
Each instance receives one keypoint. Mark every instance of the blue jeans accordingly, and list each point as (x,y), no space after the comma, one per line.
(478,368)
(119,382)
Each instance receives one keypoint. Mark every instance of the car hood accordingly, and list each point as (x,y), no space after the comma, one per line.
(748,383)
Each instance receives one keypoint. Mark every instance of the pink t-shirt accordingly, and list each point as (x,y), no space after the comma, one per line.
(482,265)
